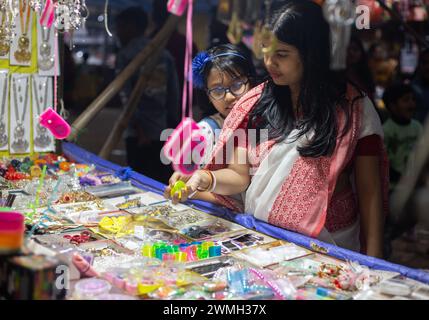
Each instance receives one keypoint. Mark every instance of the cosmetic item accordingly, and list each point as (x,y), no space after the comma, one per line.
(89,289)
(11,231)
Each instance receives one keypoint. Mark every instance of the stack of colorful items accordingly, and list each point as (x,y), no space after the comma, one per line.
(183,252)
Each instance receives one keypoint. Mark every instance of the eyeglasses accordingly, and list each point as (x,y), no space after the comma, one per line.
(237,89)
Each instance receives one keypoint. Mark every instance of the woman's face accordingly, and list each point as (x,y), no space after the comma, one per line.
(284,65)
(224,91)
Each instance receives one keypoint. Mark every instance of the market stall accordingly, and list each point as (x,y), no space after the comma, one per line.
(118,238)
(76,226)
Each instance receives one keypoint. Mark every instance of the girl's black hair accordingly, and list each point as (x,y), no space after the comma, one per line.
(301,23)
(232,65)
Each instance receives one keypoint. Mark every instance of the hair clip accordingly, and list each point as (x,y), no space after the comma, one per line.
(198,65)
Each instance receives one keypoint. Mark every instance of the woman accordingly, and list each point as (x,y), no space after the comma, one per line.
(322,171)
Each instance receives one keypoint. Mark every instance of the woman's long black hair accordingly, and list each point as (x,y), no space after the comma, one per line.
(301,23)
(232,65)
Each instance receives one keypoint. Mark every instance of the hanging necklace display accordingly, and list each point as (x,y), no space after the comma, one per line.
(46,58)
(4,36)
(3,116)
(20,143)
(70,15)
(23,54)
(42,138)
(341,15)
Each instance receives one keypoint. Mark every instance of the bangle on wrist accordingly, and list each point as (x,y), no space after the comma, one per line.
(210,186)
(214,182)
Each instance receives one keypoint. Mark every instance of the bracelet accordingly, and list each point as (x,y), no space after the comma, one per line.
(210,186)
(212,189)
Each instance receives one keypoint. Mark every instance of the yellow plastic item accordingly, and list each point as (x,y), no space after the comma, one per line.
(113,224)
(144,289)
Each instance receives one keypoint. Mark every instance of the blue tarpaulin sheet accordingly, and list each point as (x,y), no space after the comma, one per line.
(80,155)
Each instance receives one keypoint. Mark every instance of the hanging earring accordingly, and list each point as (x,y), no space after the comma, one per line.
(266,41)
(257,41)
(235,31)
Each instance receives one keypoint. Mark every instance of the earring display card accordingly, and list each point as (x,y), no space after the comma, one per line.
(84,212)
(157,209)
(272,253)
(209,229)
(45,50)
(397,288)
(22,44)
(111,191)
(209,267)
(181,219)
(63,240)
(94,217)
(241,240)
(128,202)
(152,199)
(105,248)
(42,98)
(20,118)
(4,110)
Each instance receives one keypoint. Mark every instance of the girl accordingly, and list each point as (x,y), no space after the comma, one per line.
(223,75)
(322,171)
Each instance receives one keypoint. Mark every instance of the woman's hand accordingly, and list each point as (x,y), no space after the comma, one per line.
(200,180)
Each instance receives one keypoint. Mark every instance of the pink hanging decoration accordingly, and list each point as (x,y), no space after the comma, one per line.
(185,147)
(177,7)
(51,120)
(48,14)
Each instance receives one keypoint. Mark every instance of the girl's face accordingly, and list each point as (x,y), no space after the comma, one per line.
(224,91)
(284,65)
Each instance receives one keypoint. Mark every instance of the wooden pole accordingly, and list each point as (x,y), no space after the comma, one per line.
(132,104)
(116,85)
